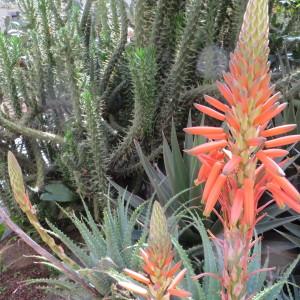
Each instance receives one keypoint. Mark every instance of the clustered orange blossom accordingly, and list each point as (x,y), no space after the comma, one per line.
(161,276)
(242,160)
(241,163)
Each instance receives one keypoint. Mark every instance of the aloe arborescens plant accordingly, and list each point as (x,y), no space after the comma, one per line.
(239,164)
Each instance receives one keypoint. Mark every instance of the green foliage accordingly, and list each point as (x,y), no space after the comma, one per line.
(57,192)
(174,184)
(76,95)
(74,87)
(142,64)
(2,230)
(113,245)
(274,290)
(181,171)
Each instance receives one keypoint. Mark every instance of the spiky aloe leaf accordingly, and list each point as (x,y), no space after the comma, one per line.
(271,293)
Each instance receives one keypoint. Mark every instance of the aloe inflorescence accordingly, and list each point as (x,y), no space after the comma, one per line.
(161,276)
(241,163)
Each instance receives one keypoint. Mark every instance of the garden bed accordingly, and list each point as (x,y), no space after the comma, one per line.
(16,267)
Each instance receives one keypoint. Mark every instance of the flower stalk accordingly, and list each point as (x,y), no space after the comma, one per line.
(240,162)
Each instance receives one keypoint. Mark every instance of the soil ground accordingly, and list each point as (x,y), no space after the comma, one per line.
(15,267)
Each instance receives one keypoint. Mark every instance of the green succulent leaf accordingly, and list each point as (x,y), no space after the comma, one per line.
(57,192)
(271,293)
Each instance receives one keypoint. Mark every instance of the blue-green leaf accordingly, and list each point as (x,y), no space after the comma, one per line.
(57,192)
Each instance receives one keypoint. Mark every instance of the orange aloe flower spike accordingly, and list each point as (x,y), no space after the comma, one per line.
(282,141)
(273,111)
(203,130)
(249,206)
(177,279)
(204,148)
(179,293)
(214,194)
(237,207)
(286,186)
(256,142)
(231,165)
(226,93)
(278,130)
(157,263)
(212,177)
(269,164)
(282,198)
(136,289)
(210,112)
(276,192)
(216,103)
(272,100)
(137,276)
(273,153)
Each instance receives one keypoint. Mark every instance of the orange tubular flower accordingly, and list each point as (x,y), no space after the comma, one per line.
(240,166)
(160,281)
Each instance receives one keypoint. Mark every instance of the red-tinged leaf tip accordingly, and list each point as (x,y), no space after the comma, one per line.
(270,165)
(136,276)
(278,130)
(204,148)
(210,112)
(282,141)
(134,288)
(214,195)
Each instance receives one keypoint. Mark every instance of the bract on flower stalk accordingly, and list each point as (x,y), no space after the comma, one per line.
(161,276)
(238,165)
